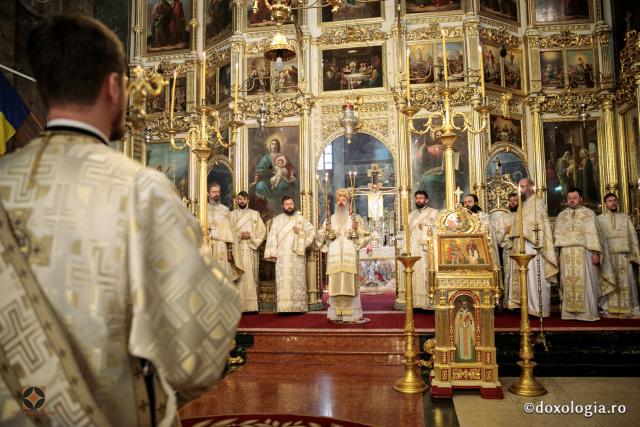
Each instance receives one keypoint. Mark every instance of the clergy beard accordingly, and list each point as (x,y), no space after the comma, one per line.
(613,210)
(342,214)
(289,212)
(475,209)
(419,205)
(215,201)
(514,209)
(242,205)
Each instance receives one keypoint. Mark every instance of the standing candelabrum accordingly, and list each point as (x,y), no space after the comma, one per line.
(203,135)
(526,385)
(327,209)
(353,234)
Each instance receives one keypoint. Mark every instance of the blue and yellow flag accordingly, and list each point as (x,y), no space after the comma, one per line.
(12,112)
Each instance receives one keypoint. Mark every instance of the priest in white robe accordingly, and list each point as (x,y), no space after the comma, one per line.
(502,223)
(341,240)
(622,246)
(222,234)
(585,276)
(249,234)
(100,268)
(538,241)
(289,237)
(470,202)
(420,219)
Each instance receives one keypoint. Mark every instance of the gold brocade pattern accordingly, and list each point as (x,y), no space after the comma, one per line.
(573,279)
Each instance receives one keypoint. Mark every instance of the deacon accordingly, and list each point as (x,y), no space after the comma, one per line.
(581,249)
(502,225)
(538,241)
(249,231)
(623,250)
(99,261)
(420,219)
(290,235)
(342,240)
(221,233)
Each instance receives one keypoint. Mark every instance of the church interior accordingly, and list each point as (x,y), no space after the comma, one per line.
(429,272)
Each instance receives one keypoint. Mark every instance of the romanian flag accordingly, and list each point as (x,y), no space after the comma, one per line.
(12,112)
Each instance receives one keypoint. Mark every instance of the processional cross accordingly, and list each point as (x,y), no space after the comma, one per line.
(458,194)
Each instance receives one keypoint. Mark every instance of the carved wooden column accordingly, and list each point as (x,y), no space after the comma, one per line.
(536,150)
(611,161)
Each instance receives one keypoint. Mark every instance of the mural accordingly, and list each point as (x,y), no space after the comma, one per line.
(167,25)
(506,163)
(352,68)
(174,164)
(562,11)
(351,12)
(218,19)
(422,6)
(505,130)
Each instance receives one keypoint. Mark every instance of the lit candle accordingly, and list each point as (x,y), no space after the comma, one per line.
(444,58)
(408,79)
(520,227)
(235,95)
(173,98)
(203,74)
(481,71)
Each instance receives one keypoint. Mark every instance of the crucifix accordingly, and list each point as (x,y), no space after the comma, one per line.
(373,173)
(498,167)
(458,194)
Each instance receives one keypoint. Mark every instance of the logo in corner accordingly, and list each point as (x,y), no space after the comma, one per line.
(33,399)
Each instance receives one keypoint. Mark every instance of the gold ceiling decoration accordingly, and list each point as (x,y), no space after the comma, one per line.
(351,35)
(434,31)
(500,37)
(566,39)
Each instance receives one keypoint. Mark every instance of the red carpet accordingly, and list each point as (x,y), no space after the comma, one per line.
(265,420)
(379,309)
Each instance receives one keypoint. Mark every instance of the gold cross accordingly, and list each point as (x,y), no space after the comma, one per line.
(458,194)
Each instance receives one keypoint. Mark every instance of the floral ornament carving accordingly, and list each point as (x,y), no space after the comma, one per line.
(499,36)
(433,31)
(566,39)
(351,35)
(629,68)
(260,46)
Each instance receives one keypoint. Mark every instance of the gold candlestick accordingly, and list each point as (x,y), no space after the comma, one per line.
(408,79)
(235,91)
(481,72)
(173,98)
(411,381)
(526,385)
(520,221)
(203,74)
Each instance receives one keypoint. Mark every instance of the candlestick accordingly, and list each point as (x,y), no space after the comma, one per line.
(408,79)
(520,227)
(444,59)
(235,95)
(481,71)
(203,74)
(173,98)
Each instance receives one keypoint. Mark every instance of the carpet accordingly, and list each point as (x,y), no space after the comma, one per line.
(379,309)
(263,420)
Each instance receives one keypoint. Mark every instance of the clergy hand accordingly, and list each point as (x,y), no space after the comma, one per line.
(296,229)
(595,258)
(508,230)
(420,226)
(245,235)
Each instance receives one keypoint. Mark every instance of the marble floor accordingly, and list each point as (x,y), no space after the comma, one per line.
(365,394)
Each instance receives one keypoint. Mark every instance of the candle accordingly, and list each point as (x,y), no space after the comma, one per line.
(405,200)
(235,95)
(520,227)
(173,98)
(408,78)
(203,74)
(481,71)
(444,59)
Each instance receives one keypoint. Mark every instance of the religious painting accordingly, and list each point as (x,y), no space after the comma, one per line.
(455,60)
(491,64)
(507,163)
(285,79)
(504,129)
(221,174)
(218,19)
(430,6)
(173,163)
(259,75)
(350,12)
(158,103)
(457,221)
(506,10)
(261,17)
(352,68)
(552,69)
(547,11)
(180,103)
(168,25)
(468,251)
(571,160)
(580,68)
(512,69)
(428,163)
(274,168)
(211,87)
(464,325)
(224,83)
(421,61)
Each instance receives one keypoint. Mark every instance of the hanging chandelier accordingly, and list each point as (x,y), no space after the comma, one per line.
(349,119)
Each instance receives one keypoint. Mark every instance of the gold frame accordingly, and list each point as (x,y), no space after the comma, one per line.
(460,238)
(497,17)
(145,51)
(362,92)
(532,16)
